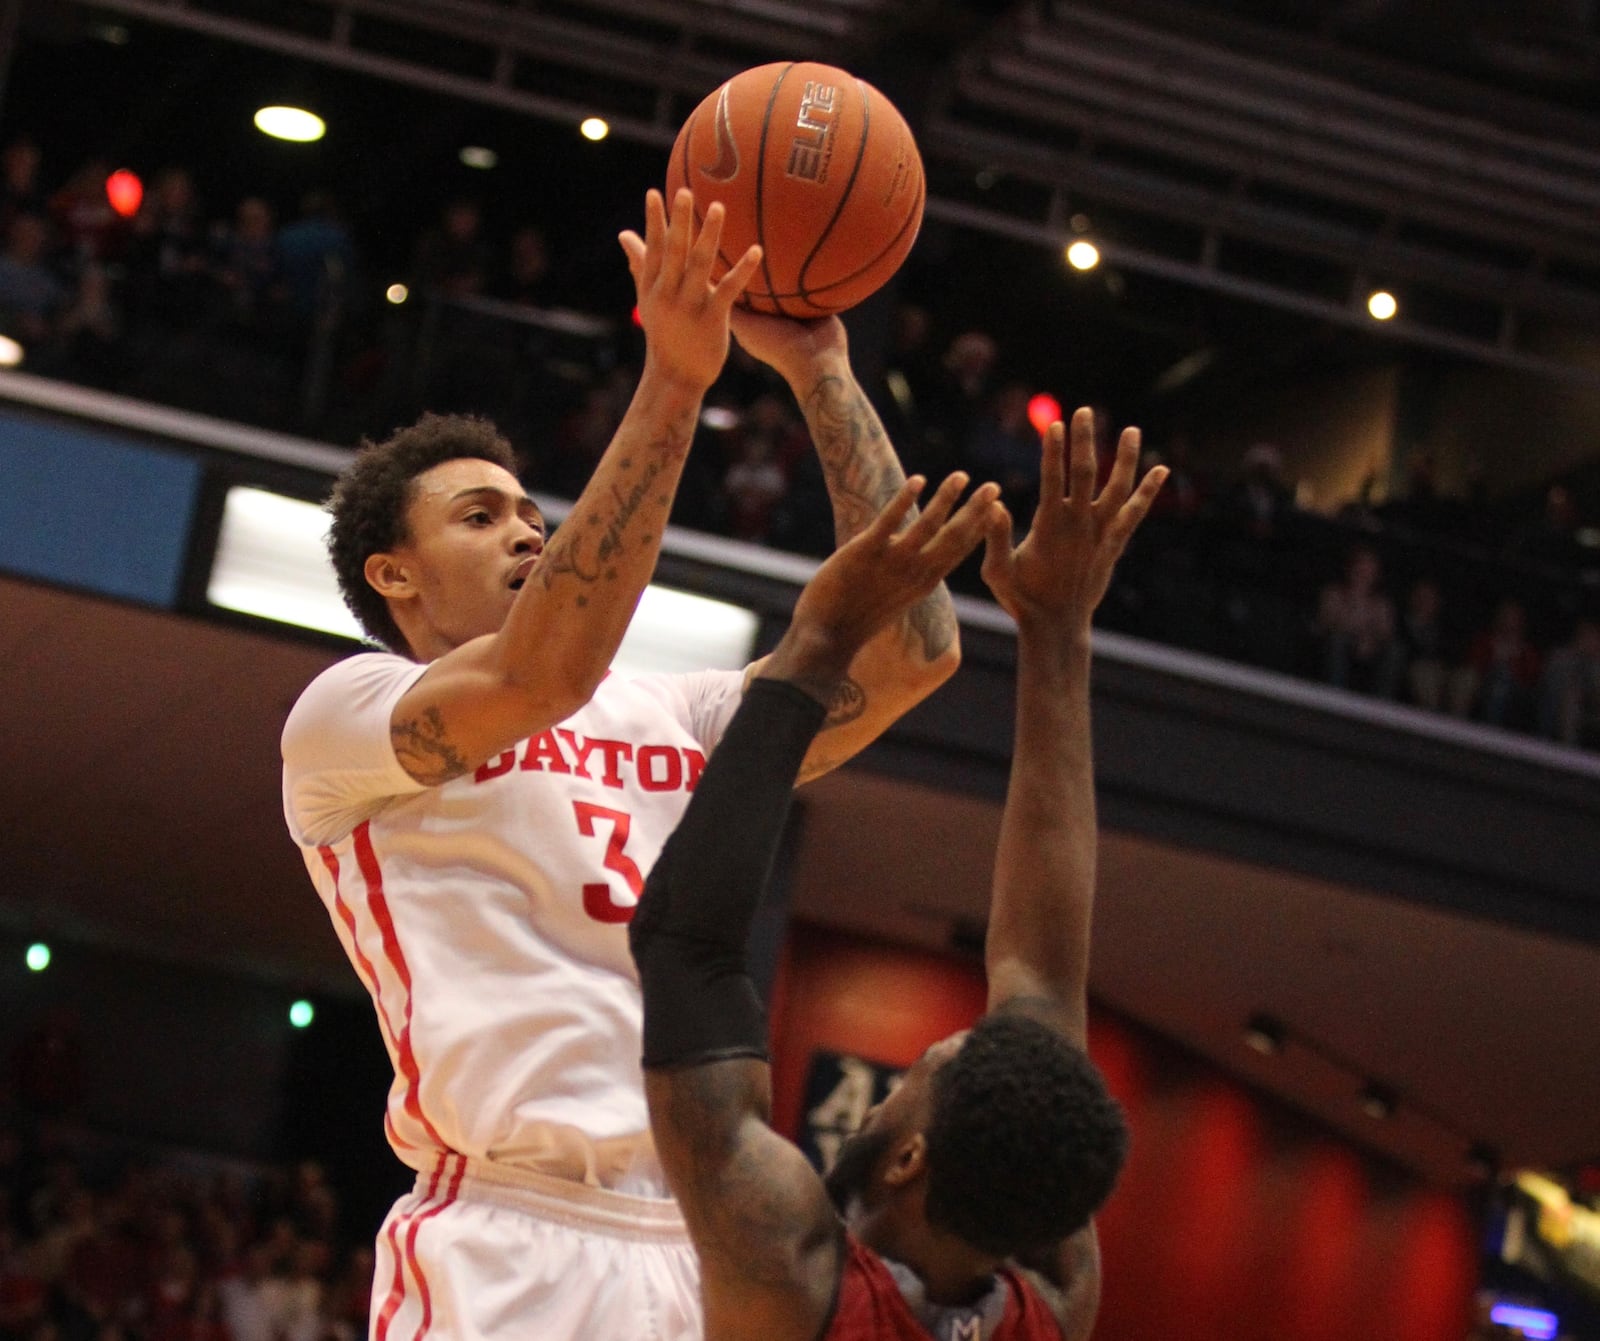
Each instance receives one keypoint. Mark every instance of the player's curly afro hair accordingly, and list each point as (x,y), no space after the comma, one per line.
(370,498)
(1024,1142)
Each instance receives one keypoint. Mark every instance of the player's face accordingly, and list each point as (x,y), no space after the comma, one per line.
(473,537)
(905,1110)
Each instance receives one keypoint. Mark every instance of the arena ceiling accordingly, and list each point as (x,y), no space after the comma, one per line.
(1277,154)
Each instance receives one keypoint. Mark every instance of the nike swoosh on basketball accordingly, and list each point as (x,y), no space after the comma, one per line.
(726,168)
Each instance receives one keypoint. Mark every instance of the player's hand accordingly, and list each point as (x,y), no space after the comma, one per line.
(683,313)
(881,573)
(790,346)
(1062,569)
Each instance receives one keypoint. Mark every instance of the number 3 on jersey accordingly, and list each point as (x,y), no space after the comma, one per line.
(598,900)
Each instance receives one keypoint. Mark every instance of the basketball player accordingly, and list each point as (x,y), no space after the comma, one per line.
(966,1197)
(477,809)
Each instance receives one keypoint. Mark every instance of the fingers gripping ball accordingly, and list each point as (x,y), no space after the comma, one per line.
(815,165)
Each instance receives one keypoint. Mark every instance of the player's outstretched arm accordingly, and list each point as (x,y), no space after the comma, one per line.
(1037,949)
(919,651)
(571,613)
(768,1239)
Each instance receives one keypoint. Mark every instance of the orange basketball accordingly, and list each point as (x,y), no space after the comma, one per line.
(815,165)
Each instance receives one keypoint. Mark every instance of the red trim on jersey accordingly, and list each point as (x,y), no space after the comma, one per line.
(397,1286)
(368,974)
(411,1245)
(392,1134)
(372,873)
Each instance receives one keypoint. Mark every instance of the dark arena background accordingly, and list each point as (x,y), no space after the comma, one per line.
(1340,260)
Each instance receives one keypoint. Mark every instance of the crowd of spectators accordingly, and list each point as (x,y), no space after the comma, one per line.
(103,1242)
(1425,599)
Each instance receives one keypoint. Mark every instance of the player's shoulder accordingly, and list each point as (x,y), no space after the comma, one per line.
(348,685)
(369,662)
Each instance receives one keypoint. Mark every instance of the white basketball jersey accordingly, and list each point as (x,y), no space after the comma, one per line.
(487,917)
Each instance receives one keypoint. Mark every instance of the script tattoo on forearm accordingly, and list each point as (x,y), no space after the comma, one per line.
(568,554)
(425,750)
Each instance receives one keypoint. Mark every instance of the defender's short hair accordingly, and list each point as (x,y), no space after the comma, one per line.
(1025,1142)
(370,498)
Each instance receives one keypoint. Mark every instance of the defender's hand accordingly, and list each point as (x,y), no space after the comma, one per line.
(1062,569)
(684,315)
(880,574)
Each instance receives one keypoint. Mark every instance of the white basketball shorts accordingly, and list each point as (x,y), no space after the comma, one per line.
(483,1252)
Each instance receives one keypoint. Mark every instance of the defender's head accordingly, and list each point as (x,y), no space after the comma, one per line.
(1007,1133)
(431,534)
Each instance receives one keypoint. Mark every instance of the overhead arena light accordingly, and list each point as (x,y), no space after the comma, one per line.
(1382,305)
(271,562)
(290,123)
(1083,255)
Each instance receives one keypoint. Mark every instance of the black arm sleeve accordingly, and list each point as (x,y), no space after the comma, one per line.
(689,936)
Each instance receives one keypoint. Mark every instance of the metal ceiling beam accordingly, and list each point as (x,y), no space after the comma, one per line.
(1093,181)
(1197,275)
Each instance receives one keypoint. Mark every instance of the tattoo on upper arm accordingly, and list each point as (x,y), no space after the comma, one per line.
(425,750)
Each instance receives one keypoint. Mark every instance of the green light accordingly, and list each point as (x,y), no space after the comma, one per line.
(301,1014)
(38,956)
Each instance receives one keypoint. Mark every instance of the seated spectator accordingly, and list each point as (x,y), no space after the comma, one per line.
(31,297)
(527,278)
(582,437)
(1003,446)
(1261,500)
(19,181)
(169,1301)
(1552,539)
(348,1302)
(315,257)
(1431,674)
(169,263)
(1356,625)
(24,1293)
(245,1298)
(905,396)
(957,398)
(1569,689)
(452,257)
(1185,494)
(88,343)
(90,229)
(1505,669)
(1422,508)
(1261,605)
(761,448)
(244,260)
